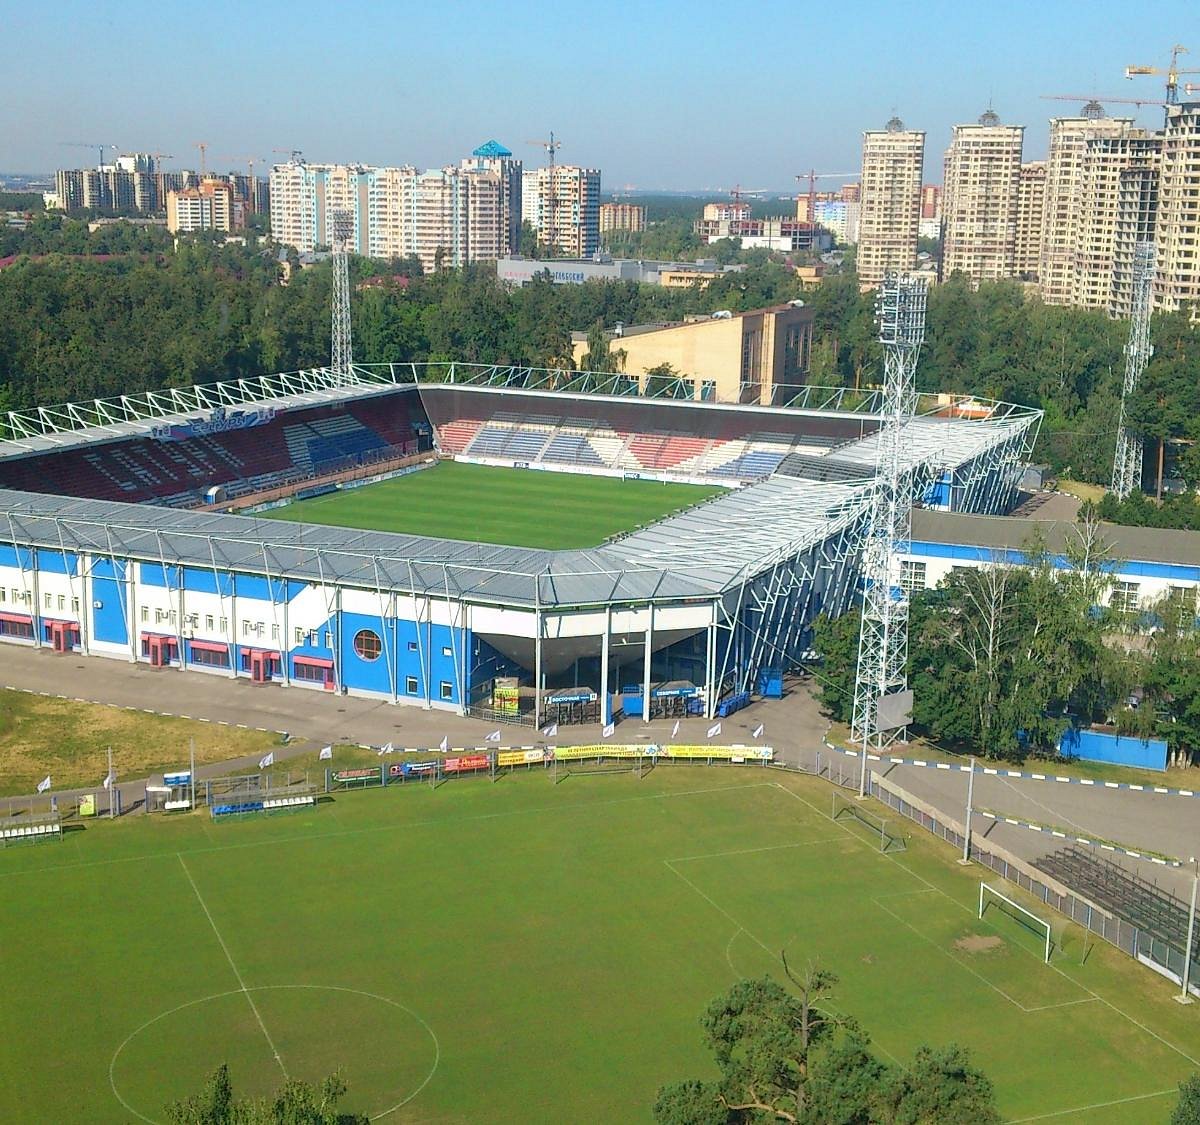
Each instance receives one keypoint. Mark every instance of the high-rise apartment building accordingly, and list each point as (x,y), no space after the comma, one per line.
(1177,236)
(1031,203)
(893,162)
(210,206)
(622,216)
(1071,149)
(492,157)
(563,204)
(446,217)
(931,201)
(979,199)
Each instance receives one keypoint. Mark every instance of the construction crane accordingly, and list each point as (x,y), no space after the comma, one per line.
(90,144)
(1093,108)
(737,191)
(551,146)
(159,156)
(293,154)
(203,147)
(812,176)
(1172,72)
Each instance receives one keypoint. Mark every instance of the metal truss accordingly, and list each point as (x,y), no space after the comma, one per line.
(1127,463)
(883,638)
(341,349)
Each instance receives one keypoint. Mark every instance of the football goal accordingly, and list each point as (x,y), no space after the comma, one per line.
(849,809)
(990,898)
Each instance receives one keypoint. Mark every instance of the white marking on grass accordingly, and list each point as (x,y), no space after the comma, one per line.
(752,851)
(1103,1000)
(233,966)
(1097,1105)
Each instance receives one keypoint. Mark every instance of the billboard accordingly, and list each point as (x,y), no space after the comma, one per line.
(466,762)
(360,774)
(520,757)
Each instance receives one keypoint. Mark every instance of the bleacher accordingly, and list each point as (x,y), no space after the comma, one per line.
(729,445)
(291,447)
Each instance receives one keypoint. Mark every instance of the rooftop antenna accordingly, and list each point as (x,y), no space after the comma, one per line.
(551,146)
(882,703)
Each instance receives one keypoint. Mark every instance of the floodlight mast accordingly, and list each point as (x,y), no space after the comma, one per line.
(883,637)
(1127,463)
(341,352)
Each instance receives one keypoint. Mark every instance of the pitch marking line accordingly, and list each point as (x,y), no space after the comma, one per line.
(742,929)
(754,851)
(1097,1105)
(233,966)
(1103,1000)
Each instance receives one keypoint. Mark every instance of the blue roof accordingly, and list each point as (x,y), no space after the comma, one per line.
(491,148)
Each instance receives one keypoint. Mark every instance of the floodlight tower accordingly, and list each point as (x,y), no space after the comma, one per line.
(341,350)
(1127,464)
(880,706)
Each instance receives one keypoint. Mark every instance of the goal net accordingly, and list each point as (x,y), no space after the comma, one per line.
(846,809)
(990,899)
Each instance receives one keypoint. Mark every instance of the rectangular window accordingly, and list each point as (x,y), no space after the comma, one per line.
(246,628)
(311,674)
(207,659)
(47,600)
(16,596)
(312,638)
(208,622)
(3,594)
(274,632)
(171,617)
(193,620)
(412,646)
(912,576)
(299,636)
(74,602)
(1183,599)
(224,625)
(447,689)
(447,651)
(410,685)
(62,601)
(328,639)
(1124,597)
(145,615)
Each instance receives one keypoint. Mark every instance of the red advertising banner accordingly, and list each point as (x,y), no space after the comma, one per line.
(466,762)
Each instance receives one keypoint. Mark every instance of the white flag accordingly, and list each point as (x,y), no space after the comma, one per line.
(326,754)
(607,732)
(267,760)
(757,731)
(381,751)
(550,731)
(44,784)
(493,737)
(444,745)
(714,730)
(389,748)
(109,778)
(675,729)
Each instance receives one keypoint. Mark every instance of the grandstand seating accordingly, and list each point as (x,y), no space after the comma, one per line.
(291,447)
(632,436)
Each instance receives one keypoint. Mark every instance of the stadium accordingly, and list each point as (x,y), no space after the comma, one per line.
(654,555)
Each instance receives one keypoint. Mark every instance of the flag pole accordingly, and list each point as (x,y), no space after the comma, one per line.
(192,750)
(112,788)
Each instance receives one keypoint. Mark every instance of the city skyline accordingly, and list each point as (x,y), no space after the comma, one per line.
(667,109)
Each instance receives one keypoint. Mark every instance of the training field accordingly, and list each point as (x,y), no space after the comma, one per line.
(522,951)
(516,507)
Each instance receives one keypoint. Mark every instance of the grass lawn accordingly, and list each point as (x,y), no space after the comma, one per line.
(526,952)
(516,507)
(69,741)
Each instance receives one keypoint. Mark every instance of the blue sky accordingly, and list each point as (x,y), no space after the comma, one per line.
(658,95)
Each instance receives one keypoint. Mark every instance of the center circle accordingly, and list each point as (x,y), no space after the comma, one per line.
(385,1051)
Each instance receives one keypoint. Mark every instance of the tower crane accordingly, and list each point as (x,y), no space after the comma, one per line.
(90,144)
(1093,108)
(1172,72)
(551,146)
(812,176)
(293,154)
(203,147)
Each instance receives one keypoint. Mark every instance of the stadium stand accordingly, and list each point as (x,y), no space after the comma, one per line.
(721,444)
(291,447)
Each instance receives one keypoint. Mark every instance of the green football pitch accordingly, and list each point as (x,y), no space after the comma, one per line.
(527,951)
(517,507)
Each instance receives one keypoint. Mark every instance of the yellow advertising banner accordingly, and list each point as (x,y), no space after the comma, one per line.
(87,804)
(601,750)
(519,757)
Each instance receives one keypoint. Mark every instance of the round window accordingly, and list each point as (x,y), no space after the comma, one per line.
(367,644)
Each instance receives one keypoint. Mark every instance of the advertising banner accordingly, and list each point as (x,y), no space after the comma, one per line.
(87,804)
(601,750)
(466,762)
(506,694)
(362,774)
(519,757)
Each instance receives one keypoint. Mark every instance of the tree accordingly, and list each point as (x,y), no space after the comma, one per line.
(941,1087)
(1187,1109)
(661,379)
(836,640)
(294,1103)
